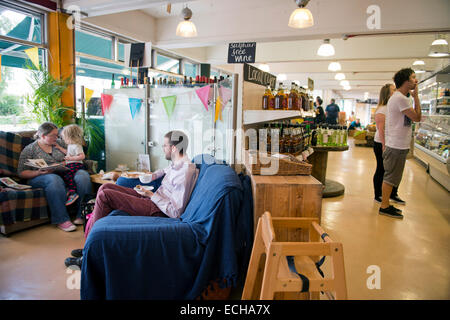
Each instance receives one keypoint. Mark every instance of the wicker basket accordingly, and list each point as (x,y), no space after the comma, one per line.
(255,163)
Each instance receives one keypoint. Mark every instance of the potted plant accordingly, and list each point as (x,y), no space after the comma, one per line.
(46,100)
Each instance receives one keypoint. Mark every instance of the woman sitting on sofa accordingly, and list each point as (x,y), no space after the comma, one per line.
(55,191)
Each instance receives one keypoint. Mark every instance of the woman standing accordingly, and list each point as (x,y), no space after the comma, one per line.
(320,114)
(379,143)
(55,190)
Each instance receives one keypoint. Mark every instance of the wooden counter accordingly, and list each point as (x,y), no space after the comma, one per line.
(287,196)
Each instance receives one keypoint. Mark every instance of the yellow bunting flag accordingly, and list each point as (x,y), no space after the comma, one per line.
(218,110)
(88,94)
(33,54)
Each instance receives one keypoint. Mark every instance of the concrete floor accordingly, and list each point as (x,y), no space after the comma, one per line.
(412,254)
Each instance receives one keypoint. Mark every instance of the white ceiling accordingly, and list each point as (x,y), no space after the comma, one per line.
(368,60)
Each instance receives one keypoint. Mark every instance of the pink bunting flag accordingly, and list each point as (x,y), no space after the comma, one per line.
(203,95)
(225,94)
(106,102)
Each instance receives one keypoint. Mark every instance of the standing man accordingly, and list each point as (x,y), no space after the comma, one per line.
(332,112)
(399,117)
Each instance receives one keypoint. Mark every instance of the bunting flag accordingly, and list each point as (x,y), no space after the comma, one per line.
(106,102)
(218,110)
(203,94)
(169,104)
(135,106)
(88,94)
(33,54)
(225,94)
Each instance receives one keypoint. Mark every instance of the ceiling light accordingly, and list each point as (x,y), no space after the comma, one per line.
(281,77)
(326,49)
(344,83)
(339,76)
(419,71)
(440,42)
(301,17)
(186,28)
(419,63)
(439,47)
(334,66)
(264,67)
(346,88)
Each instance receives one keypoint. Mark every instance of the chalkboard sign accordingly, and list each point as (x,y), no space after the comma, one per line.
(241,52)
(254,75)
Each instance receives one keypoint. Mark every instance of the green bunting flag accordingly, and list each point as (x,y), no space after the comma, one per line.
(169,104)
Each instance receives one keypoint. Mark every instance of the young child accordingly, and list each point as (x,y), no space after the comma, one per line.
(73,137)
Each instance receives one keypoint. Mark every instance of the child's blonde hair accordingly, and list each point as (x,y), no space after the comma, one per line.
(73,134)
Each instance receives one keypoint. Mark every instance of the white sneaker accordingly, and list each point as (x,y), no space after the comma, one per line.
(67,226)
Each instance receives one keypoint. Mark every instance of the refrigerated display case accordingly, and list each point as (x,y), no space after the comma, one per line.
(432,141)
(434,94)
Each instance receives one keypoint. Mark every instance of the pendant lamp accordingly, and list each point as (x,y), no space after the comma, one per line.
(301,17)
(186,28)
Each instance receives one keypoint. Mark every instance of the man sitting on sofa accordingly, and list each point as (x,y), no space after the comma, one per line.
(169,200)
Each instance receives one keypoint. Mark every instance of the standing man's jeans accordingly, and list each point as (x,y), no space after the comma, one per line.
(56,194)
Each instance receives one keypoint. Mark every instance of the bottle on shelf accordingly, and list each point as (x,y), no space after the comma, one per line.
(292,98)
(280,99)
(113,84)
(314,135)
(268,100)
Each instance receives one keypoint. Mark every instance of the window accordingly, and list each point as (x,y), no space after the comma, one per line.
(93,44)
(168,64)
(20,25)
(22,29)
(190,69)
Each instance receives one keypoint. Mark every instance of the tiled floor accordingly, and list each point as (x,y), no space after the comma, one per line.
(413,254)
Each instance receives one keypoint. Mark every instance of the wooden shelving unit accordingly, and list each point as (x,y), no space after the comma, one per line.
(260,116)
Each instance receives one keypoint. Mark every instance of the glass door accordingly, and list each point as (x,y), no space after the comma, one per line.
(125,136)
(189,115)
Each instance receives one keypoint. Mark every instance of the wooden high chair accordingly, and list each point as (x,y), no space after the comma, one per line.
(293,266)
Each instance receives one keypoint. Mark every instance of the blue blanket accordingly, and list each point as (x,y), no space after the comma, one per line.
(128,257)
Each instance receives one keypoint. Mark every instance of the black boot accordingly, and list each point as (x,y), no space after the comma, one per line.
(73,262)
(77,253)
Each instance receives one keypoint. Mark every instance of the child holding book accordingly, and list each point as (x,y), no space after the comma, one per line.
(73,138)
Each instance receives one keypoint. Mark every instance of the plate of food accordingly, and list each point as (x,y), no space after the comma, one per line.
(132,174)
(141,189)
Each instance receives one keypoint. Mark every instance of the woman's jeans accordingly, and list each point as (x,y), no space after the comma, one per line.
(56,194)
(379,173)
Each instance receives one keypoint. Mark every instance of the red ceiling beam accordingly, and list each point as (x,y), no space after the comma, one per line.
(44,3)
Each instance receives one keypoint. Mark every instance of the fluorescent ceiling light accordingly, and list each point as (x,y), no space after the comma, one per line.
(440,42)
(281,77)
(344,83)
(439,47)
(419,71)
(326,49)
(334,66)
(346,88)
(186,28)
(419,63)
(264,67)
(339,76)
(301,18)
